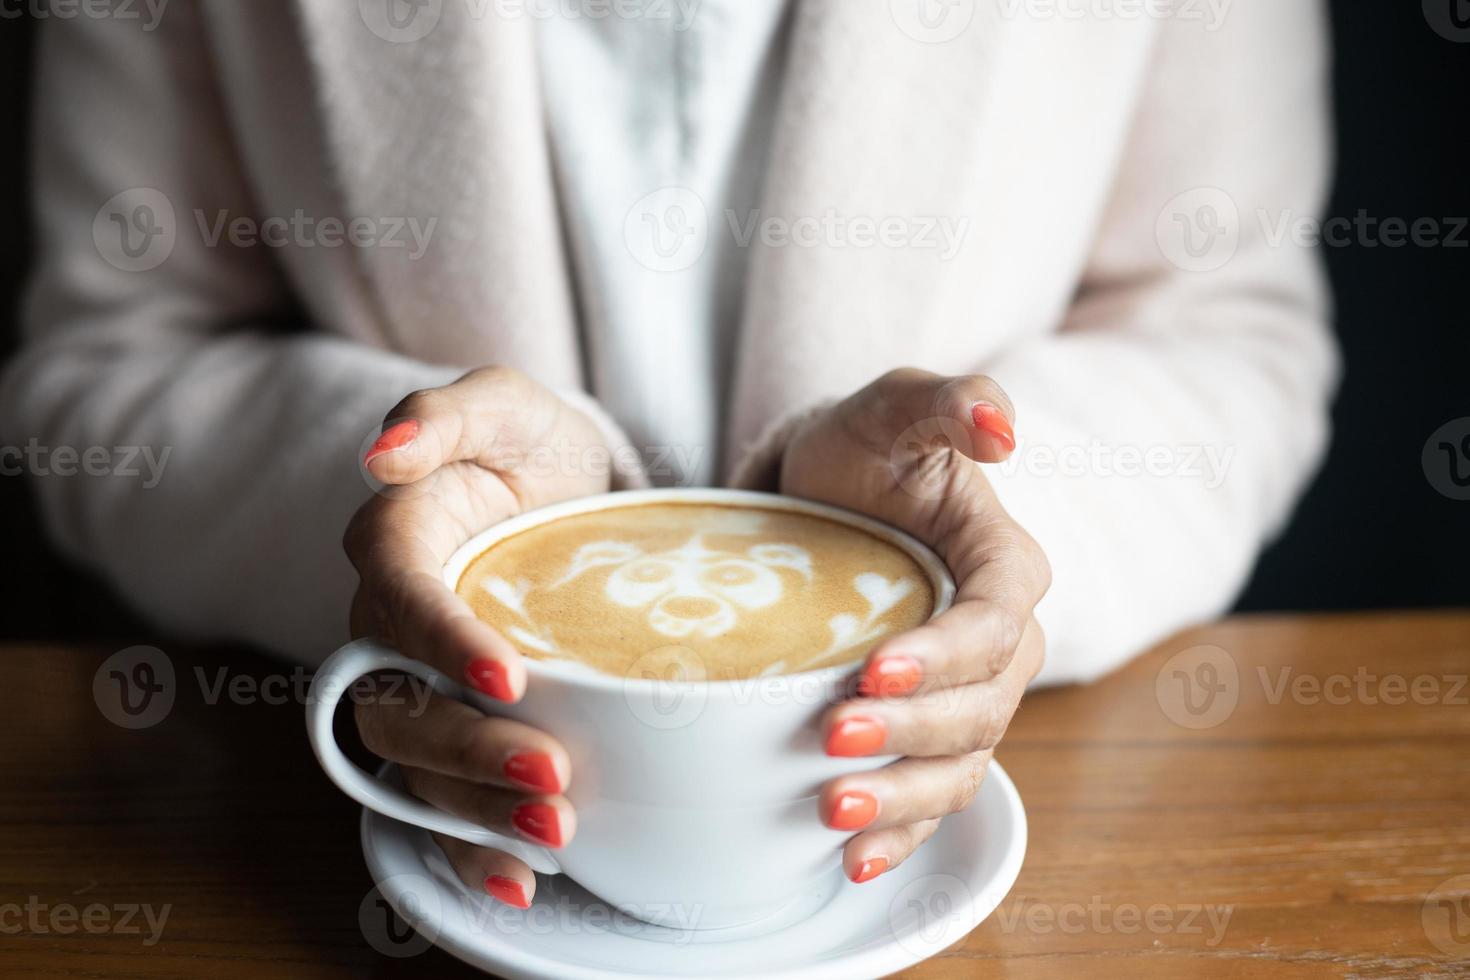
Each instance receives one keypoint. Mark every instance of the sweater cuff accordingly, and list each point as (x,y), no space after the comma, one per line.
(759,466)
(627,471)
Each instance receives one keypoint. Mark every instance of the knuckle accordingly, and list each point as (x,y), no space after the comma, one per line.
(988,725)
(373,730)
(1000,659)
(1035,559)
(362,531)
(1006,629)
(970,774)
(355,535)
(392,602)
(359,616)
(474,750)
(897,377)
(907,840)
(422,404)
(957,394)
(889,389)
(495,374)
(1042,564)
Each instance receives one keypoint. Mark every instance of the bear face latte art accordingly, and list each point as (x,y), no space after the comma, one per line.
(730,592)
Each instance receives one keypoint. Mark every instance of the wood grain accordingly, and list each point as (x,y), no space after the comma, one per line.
(1313,826)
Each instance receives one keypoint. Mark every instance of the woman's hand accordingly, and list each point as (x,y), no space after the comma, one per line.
(901,450)
(456,460)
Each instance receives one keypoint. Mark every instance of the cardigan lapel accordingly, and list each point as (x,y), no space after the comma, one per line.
(432,111)
(877,122)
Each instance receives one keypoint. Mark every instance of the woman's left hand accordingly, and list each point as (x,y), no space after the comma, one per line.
(904,450)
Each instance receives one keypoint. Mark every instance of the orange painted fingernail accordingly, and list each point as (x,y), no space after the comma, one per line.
(856,736)
(393,439)
(992,421)
(872,868)
(490,677)
(533,769)
(890,677)
(538,821)
(854,810)
(508,890)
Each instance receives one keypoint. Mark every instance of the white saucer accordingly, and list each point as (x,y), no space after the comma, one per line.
(916,910)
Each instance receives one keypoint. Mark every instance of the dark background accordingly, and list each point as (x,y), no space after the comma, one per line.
(1372,532)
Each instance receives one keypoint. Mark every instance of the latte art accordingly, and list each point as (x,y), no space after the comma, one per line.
(723,592)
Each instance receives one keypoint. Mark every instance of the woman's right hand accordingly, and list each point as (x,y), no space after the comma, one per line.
(455,460)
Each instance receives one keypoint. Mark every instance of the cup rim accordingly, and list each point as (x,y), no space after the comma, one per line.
(589,677)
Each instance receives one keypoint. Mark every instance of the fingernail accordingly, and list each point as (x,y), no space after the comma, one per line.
(393,439)
(992,420)
(533,769)
(853,811)
(538,821)
(508,890)
(490,677)
(872,868)
(890,677)
(859,735)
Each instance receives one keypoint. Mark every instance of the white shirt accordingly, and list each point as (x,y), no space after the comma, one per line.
(660,126)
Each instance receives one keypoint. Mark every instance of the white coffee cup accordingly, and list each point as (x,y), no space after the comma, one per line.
(696,800)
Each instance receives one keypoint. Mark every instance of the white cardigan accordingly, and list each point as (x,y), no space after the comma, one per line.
(1062,145)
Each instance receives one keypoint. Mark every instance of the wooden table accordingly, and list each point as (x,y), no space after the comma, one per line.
(1269,826)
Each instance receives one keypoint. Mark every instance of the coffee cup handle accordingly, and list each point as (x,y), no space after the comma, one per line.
(340,671)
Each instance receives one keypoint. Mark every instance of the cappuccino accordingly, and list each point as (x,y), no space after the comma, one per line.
(725,592)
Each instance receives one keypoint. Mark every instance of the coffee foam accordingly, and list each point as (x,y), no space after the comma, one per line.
(697,591)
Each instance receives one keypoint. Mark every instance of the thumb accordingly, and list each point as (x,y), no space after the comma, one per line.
(972,403)
(496,418)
